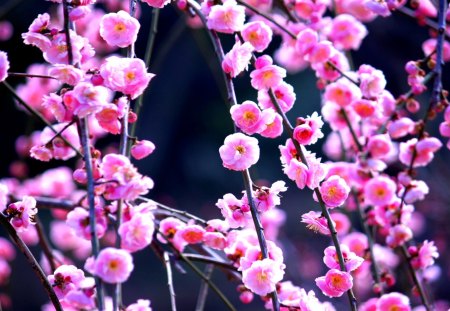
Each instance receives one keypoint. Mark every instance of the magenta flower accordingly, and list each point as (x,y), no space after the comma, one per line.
(78,220)
(156,3)
(21,213)
(258,34)
(237,59)
(266,75)
(119,29)
(308,130)
(316,222)
(239,152)
(425,256)
(137,233)
(262,276)
(66,73)
(380,190)
(248,117)
(352,261)
(347,32)
(126,75)
(142,149)
(4,66)
(228,17)
(393,301)
(334,191)
(284,94)
(113,265)
(335,283)
(65,279)
(140,305)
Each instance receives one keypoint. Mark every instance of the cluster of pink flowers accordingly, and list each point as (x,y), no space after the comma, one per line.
(374,132)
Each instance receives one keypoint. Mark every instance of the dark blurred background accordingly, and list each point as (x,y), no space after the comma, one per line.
(187,118)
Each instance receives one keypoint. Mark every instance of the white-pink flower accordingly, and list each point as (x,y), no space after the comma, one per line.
(4,66)
(262,276)
(112,265)
(126,75)
(137,233)
(227,17)
(239,152)
(119,29)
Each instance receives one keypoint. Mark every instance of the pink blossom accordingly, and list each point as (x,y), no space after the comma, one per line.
(266,75)
(316,222)
(126,75)
(6,30)
(108,118)
(380,146)
(306,40)
(334,191)
(4,66)
(156,3)
(22,213)
(425,256)
(425,150)
(228,17)
(327,72)
(142,149)
(113,265)
(119,29)
(430,45)
(298,172)
(309,9)
(356,8)
(267,198)
(335,283)
(262,276)
(398,235)
(137,233)
(7,250)
(124,180)
(284,93)
(88,99)
(57,52)
(372,81)
(65,279)
(169,227)
(400,127)
(380,190)
(78,219)
(258,34)
(192,234)
(308,130)
(235,211)
(351,260)
(239,152)
(140,305)
(248,117)
(378,7)
(393,301)
(365,108)
(214,240)
(347,32)
(66,73)
(3,197)
(253,253)
(342,223)
(237,59)
(54,103)
(416,191)
(342,92)
(273,123)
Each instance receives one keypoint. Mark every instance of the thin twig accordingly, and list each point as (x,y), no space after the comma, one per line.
(170,281)
(269,18)
(325,212)
(203,292)
(417,282)
(28,75)
(45,245)
(32,261)
(38,115)
(67,32)
(84,137)
(430,23)
(148,55)
(211,260)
